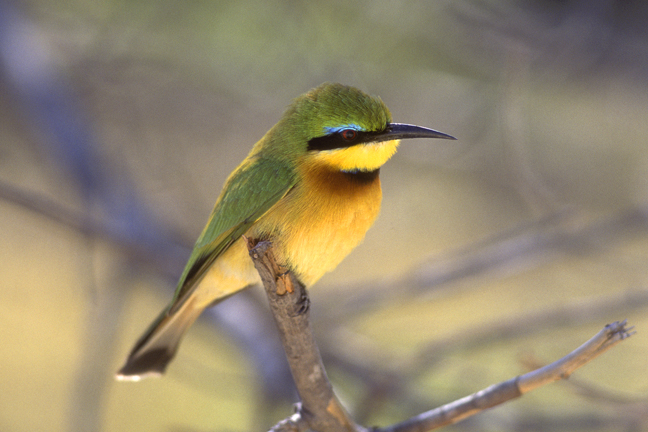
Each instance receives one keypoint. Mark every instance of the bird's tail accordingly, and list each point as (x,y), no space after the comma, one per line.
(153,351)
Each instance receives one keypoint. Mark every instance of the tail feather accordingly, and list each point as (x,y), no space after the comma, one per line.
(153,352)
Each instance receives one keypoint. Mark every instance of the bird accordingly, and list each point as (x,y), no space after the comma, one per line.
(310,186)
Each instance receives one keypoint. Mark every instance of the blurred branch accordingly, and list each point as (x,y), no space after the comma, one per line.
(50,103)
(527,245)
(166,260)
(255,337)
(526,324)
(112,209)
(321,410)
(568,37)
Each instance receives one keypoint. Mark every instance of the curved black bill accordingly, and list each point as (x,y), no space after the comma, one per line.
(396,131)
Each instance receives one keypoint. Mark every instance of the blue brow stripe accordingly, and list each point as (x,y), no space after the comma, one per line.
(336,129)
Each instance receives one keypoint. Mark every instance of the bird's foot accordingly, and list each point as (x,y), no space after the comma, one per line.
(303,302)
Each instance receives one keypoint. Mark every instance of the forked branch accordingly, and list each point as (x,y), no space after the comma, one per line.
(320,409)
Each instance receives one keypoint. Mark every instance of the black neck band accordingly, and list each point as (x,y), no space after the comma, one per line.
(362,176)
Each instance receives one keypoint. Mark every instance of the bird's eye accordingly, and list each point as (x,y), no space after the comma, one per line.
(349,134)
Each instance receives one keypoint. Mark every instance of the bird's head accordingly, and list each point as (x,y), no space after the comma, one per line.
(344,128)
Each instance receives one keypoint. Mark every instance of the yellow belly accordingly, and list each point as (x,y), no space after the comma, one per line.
(230,273)
(320,221)
(312,229)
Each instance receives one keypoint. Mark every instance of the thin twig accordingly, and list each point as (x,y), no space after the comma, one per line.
(573,313)
(515,387)
(563,368)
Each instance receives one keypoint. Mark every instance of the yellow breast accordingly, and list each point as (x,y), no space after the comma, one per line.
(321,219)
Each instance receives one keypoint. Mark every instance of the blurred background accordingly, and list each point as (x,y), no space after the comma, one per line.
(504,250)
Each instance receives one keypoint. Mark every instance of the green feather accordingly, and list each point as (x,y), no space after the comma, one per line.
(247,195)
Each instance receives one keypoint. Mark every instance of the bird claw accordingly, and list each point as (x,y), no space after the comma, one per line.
(303,302)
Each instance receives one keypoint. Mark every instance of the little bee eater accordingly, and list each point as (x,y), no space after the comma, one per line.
(310,186)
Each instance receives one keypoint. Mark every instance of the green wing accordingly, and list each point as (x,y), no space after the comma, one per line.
(254,188)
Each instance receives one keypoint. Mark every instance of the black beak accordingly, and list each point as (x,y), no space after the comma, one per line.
(393,131)
(396,131)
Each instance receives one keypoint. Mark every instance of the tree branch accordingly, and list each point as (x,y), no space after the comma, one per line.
(515,387)
(321,410)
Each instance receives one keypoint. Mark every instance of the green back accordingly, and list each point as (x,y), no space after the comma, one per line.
(250,192)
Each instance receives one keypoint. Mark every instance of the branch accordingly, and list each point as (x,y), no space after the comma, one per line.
(524,246)
(166,255)
(576,312)
(321,410)
(516,387)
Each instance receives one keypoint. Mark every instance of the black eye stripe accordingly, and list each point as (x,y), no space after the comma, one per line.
(337,140)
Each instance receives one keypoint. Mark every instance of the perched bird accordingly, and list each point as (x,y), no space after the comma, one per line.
(310,186)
